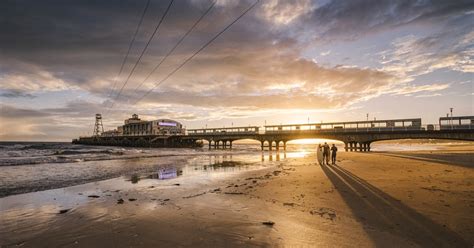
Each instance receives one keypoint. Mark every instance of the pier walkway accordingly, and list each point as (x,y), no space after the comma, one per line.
(356,135)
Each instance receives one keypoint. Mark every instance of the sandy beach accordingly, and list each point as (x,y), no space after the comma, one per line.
(376,199)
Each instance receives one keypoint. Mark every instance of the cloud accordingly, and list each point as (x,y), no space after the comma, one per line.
(411,56)
(280,12)
(340,19)
(15,94)
(18,123)
(428,95)
(420,88)
(19,78)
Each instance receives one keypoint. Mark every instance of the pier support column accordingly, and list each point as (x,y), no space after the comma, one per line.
(368,146)
(261,143)
(230,144)
(284,145)
(216,143)
(224,144)
(277,145)
(270,145)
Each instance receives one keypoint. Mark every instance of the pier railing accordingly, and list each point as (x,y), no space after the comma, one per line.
(310,128)
(429,127)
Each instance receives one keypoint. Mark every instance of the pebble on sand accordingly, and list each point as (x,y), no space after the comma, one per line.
(268,223)
(63,211)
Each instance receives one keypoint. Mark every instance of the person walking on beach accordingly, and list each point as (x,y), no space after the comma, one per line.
(326,153)
(333,153)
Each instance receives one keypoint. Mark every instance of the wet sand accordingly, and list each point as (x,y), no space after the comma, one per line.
(397,199)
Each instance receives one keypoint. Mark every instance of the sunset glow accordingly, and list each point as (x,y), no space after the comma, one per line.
(284,62)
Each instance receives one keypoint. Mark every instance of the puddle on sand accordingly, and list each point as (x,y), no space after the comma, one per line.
(192,171)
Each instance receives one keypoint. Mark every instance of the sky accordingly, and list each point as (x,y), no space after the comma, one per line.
(283,62)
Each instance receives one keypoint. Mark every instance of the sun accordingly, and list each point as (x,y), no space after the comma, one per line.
(312,141)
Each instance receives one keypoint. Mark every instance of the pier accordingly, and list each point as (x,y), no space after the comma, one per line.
(356,135)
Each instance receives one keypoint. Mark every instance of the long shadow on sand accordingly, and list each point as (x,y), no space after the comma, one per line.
(458,159)
(381,213)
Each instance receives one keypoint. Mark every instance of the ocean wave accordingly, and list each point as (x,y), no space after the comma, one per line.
(75,152)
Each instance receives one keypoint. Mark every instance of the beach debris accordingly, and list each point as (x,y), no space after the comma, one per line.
(434,188)
(167,199)
(268,223)
(93,196)
(326,213)
(216,190)
(234,193)
(276,173)
(191,196)
(134,178)
(63,211)
(132,199)
(227,164)
(176,184)
(120,201)
(291,204)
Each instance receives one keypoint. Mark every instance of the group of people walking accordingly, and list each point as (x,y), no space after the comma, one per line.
(324,152)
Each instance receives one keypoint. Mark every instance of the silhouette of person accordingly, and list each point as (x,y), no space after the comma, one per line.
(326,153)
(333,153)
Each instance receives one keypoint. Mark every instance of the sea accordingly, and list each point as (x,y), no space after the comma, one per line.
(36,166)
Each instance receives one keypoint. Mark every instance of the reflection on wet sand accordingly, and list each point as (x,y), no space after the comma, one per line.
(270,155)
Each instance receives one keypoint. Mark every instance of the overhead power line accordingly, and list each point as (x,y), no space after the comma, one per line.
(197,52)
(143,51)
(176,45)
(129,48)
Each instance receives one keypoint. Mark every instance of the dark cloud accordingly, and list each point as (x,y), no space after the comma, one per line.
(15,94)
(7,111)
(350,19)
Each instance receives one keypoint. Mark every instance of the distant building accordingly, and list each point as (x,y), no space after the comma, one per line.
(135,126)
(111,133)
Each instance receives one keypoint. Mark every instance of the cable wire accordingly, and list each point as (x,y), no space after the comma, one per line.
(143,51)
(176,45)
(197,52)
(129,48)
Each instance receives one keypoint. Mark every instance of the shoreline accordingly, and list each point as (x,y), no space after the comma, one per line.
(368,199)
